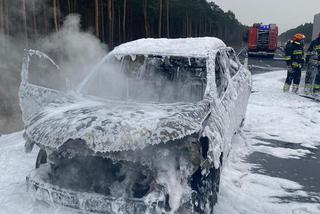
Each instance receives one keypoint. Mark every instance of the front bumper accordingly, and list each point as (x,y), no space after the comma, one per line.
(38,185)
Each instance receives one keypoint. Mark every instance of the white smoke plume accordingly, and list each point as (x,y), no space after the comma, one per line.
(74,50)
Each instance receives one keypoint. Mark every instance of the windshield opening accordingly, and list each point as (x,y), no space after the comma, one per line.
(150,79)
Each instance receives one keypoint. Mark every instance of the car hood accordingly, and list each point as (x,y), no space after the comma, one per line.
(107,126)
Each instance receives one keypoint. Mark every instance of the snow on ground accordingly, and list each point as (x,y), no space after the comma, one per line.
(273,119)
(279,125)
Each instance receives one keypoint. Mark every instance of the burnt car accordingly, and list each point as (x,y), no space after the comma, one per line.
(146,131)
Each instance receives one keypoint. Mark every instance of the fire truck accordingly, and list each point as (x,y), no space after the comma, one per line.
(262,40)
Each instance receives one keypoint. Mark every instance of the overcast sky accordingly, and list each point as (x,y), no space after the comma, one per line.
(286,14)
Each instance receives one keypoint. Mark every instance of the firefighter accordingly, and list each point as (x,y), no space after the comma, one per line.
(295,59)
(313,72)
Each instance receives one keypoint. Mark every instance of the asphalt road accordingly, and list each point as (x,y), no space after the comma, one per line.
(275,168)
(304,171)
(260,64)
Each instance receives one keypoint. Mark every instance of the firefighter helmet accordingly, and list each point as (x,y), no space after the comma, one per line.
(298,37)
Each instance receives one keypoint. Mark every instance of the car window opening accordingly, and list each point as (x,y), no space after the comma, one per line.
(220,78)
(233,63)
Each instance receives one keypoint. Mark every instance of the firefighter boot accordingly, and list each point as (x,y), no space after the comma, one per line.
(308,89)
(316,92)
(316,89)
(286,87)
(295,88)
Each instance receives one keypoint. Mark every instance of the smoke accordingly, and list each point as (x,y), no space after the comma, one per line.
(10,63)
(74,50)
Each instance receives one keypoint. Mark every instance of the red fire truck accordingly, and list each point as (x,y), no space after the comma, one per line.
(262,40)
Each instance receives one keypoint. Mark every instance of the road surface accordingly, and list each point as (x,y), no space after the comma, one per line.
(274,167)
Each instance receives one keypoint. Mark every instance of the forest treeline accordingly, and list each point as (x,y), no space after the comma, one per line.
(306,29)
(118,21)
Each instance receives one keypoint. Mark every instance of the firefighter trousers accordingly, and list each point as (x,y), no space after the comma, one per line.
(310,76)
(316,86)
(294,76)
(312,82)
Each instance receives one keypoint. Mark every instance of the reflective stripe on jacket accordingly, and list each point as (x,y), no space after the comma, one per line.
(294,54)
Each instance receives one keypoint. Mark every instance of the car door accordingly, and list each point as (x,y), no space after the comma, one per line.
(228,104)
(229,83)
(222,80)
(239,87)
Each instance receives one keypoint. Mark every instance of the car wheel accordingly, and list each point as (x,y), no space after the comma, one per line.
(41,158)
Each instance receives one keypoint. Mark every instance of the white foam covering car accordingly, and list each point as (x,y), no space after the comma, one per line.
(146,131)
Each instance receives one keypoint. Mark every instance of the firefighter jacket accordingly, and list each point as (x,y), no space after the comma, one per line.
(294,54)
(313,52)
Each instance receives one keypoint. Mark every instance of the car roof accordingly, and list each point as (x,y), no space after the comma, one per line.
(186,47)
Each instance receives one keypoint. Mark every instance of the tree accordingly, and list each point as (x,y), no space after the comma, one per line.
(119,24)
(55,15)
(69,6)
(111,21)
(58,13)
(34,18)
(24,19)
(6,17)
(97,21)
(1,15)
(306,29)
(168,19)
(160,18)
(145,14)
(124,19)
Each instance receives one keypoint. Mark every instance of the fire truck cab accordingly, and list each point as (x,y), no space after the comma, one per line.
(262,40)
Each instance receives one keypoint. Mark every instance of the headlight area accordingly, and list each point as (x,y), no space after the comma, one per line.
(156,179)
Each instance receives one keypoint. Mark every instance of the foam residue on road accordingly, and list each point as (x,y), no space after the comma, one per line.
(14,166)
(279,125)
